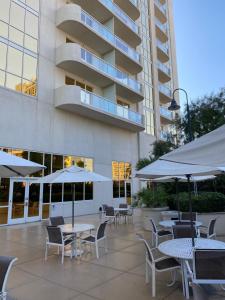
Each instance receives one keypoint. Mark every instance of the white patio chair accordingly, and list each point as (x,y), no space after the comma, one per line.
(6,263)
(158,233)
(208,232)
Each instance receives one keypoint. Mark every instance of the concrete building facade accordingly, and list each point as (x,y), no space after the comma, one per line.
(82,82)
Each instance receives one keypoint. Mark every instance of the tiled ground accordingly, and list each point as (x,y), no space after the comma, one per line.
(118,275)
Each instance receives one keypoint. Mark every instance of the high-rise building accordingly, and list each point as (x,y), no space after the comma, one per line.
(84,82)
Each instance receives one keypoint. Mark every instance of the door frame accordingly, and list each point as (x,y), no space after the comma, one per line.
(25,219)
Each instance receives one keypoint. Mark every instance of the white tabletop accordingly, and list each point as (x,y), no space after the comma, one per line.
(171,223)
(120,209)
(67,228)
(182,248)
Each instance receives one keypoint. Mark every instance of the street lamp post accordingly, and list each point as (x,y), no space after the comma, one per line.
(174,106)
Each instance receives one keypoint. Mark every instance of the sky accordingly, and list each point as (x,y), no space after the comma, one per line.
(200,46)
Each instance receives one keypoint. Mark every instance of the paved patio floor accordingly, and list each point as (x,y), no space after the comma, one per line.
(117,275)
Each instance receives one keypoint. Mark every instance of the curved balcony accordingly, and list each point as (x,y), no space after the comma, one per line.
(104,10)
(74,99)
(162,51)
(77,60)
(130,7)
(166,116)
(160,11)
(161,31)
(165,93)
(164,73)
(78,23)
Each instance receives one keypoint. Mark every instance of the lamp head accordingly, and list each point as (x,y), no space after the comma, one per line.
(173,105)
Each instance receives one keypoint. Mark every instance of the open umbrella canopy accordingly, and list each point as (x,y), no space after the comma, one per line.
(208,150)
(183,178)
(72,175)
(161,168)
(14,166)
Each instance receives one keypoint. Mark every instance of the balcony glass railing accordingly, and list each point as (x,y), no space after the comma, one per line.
(110,70)
(163,46)
(107,35)
(120,14)
(161,6)
(163,68)
(166,113)
(165,90)
(163,27)
(110,107)
(135,2)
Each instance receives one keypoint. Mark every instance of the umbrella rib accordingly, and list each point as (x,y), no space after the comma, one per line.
(18,173)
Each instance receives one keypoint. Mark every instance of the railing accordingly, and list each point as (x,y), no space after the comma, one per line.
(111,107)
(164,135)
(165,90)
(135,2)
(120,14)
(166,113)
(107,35)
(163,68)
(110,70)
(161,6)
(163,27)
(163,46)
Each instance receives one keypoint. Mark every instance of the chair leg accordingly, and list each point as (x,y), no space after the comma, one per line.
(153,282)
(96,247)
(46,251)
(63,249)
(174,278)
(156,240)
(146,272)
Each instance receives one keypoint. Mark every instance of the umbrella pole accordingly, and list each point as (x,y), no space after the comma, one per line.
(177,198)
(190,210)
(73,205)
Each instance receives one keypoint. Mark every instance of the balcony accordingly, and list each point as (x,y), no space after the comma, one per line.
(164,135)
(85,28)
(165,94)
(104,10)
(130,7)
(162,51)
(160,11)
(77,60)
(166,115)
(74,99)
(164,72)
(161,31)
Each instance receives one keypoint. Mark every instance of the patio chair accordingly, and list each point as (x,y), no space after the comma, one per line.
(95,239)
(56,238)
(160,265)
(123,213)
(130,214)
(157,233)
(187,216)
(6,263)
(208,232)
(184,231)
(110,214)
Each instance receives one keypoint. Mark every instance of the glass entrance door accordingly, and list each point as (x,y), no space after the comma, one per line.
(24,202)
(128,192)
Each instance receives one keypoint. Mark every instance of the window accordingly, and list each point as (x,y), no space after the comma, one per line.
(121,171)
(72,81)
(69,81)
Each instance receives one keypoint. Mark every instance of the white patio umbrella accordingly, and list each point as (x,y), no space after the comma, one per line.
(14,166)
(183,178)
(73,175)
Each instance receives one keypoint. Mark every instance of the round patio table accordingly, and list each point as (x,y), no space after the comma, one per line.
(76,230)
(171,223)
(182,249)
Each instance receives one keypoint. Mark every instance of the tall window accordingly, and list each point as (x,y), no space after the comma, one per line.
(19,32)
(121,171)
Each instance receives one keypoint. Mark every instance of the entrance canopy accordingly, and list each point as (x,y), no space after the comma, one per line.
(208,150)
(14,166)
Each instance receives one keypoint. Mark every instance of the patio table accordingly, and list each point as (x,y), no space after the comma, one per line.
(182,249)
(76,230)
(171,223)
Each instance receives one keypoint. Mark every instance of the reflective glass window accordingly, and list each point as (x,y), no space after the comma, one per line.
(4,11)
(68,192)
(88,164)
(16,36)
(34,4)
(30,43)
(29,87)
(57,162)
(4,191)
(4,29)
(37,158)
(47,164)
(2,78)
(14,61)
(3,52)
(17,16)
(116,192)
(29,67)
(20,153)
(31,26)
(46,193)
(56,195)
(79,191)
(79,162)
(13,82)
(69,80)
(88,190)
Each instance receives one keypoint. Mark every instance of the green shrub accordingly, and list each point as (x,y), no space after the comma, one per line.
(152,198)
(202,203)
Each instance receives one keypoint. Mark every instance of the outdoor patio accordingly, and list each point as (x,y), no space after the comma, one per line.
(116,275)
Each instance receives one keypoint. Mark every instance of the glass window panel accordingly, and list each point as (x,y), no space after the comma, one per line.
(3,215)
(69,80)
(68,192)
(82,85)
(88,164)
(79,162)
(16,36)
(57,162)
(4,29)
(127,171)
(4,191)
(88,190)
(46,193)
(48,164)
(20,153)
(29,67)
(14,61)
(116,189)
(29,87)
(121,170)
(79,191)
(13,82)
(30,43)
(38,158)
(4,11)
(45,211)
(17,16)
(31,26)
(69,161)
(56,192)
(2,78)
(3,52)
(115,170)
(33,4)
(122,189)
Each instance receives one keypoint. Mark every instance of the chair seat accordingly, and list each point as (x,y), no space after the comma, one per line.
(203,235)
(68,241)
(89,238)
(164,232)
(166,263)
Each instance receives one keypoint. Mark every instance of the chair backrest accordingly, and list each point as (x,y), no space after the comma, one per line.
(101,230)
(54,235)
(209,266)
(123,205)
(148,249)
(212,224)
(57,221)
(187,216)
(198,292)
(109,211)
(153,225)
(184,231)
(6,263)
(104,207)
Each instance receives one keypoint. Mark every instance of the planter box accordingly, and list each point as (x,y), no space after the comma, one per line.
(220,222)
(151,213)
